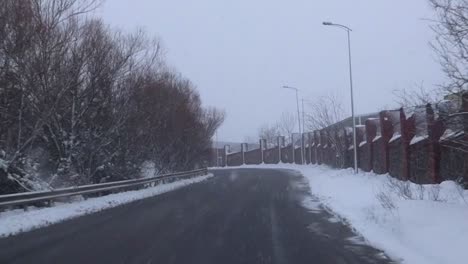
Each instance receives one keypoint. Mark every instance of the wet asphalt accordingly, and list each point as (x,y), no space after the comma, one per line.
(237,216)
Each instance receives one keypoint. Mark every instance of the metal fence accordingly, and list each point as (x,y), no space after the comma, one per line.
(28,198)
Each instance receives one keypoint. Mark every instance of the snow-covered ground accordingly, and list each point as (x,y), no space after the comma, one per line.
(16,221)
(412,223)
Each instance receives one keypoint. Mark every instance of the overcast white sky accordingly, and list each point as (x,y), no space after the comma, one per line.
(239,53)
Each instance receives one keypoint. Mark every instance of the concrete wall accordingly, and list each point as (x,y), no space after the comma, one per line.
(253,157)
(298,156)
(286,154)
(395,166)
(271,156)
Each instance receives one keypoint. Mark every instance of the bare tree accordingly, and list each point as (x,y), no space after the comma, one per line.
(85,103)
(325,113)
(286,125)
(451,46)
(419,95)
(451,43)
(270,133)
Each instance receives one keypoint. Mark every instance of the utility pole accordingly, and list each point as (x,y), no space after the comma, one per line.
(302,134)
(298,119)
(303,120)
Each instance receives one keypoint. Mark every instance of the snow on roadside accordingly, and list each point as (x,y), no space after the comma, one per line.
(415,230)
(17,221)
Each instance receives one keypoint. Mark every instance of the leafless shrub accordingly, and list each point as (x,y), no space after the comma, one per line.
(386,201)
(420,192)
(434,193)
(401,188)
(405,191)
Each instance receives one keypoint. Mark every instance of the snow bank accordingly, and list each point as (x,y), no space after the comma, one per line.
(16,221)
(400,218)
(148,169)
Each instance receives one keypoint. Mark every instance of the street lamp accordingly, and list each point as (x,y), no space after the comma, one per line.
(348,30)
(298,118)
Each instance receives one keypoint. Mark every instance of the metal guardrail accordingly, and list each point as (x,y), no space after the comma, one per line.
(27,198)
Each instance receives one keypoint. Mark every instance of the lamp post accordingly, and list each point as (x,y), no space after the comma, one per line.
(303,129)
(298,118)
(348,30)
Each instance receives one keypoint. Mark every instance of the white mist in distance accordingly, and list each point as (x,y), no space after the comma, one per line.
(240,53)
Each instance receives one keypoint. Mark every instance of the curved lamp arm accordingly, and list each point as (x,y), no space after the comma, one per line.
(336,25)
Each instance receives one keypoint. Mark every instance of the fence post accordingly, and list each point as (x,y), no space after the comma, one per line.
(386,129)
(328,149)
(227,149)
(319,146)
(434,131)
(292,148)
(309,140)
(344,142)
(336,148)
(330,157)
(280,144)
(371,132)
(303,158)
(243,153)
(330,152)
(464,108)
(313,159)
(405,140)
(262,148)
(360,133)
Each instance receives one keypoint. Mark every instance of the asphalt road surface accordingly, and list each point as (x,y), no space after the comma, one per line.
(237,216)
